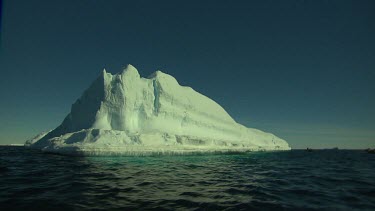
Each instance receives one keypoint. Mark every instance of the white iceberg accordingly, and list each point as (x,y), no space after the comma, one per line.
(125,114)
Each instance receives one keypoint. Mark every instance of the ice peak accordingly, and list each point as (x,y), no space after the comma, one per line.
(153,75)
(130,67)
(158,74)
(131,71)
(105,75)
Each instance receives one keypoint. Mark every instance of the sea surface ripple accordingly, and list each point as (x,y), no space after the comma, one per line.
(290,180)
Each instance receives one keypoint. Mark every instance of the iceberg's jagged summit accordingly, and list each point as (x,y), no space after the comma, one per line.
(125,114)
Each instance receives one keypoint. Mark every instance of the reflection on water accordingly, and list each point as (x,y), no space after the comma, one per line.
(258,180)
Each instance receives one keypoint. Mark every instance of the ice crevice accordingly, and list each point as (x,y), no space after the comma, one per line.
(156,97)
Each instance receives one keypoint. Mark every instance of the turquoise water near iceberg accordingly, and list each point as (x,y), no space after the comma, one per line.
(289,180)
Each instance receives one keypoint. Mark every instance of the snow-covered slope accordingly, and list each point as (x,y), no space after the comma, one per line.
(125,114)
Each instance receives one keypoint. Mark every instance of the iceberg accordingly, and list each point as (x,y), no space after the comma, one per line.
(126,114)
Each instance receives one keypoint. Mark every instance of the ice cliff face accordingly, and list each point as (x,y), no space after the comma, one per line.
(125,114)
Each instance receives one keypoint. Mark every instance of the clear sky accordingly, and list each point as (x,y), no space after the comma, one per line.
(304,70)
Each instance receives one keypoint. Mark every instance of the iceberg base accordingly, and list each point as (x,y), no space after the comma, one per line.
(98,142)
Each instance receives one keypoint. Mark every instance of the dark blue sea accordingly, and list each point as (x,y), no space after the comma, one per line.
(291,180)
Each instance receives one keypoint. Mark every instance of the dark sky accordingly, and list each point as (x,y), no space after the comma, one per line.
(304,70)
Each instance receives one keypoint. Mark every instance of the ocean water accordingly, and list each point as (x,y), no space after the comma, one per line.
(291,180)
